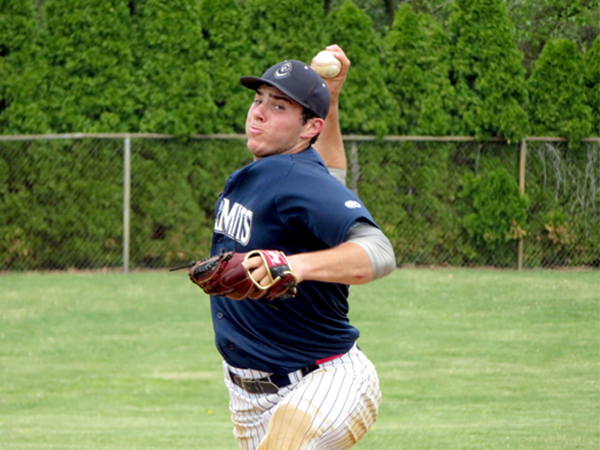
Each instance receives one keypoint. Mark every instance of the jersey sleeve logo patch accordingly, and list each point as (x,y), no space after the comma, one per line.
(353,204)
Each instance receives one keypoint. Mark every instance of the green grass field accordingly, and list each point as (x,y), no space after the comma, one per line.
(468,359)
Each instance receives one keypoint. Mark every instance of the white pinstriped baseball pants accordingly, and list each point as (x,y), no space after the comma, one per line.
(331,408)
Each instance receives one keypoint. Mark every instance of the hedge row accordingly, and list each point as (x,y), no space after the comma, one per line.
(440,203)
(173,67)
(62,201)
(460,204)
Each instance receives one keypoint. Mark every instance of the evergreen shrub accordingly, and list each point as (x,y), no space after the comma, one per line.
(498,217)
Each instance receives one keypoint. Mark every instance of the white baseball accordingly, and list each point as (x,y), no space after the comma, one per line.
(326,64)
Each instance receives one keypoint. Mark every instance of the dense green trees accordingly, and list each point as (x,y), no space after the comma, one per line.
(173,67)
(88,48)
(558,96)
(222,24)
(536,21)
(592,83)
(172,81)
(22,71)
(486,70)
(434,68)
(539,21)
(369,107)
(284,29)
(417,73)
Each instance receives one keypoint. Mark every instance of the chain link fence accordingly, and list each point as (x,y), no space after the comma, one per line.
(147,201)
(564,215)
(472,203)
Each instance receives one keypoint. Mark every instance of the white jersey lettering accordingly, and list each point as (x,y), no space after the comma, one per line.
(234,221)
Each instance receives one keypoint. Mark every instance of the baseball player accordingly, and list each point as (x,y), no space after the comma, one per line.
(296,377)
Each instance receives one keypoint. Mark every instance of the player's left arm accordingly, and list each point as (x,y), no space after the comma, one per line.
(330,144)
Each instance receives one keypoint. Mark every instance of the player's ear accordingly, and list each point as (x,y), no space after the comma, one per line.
(312,127)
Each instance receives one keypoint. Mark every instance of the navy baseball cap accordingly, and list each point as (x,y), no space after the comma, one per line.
(298,81)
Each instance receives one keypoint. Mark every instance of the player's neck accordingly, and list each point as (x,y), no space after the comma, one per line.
(293,151)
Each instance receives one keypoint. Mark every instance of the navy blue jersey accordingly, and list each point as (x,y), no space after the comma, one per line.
(289,203)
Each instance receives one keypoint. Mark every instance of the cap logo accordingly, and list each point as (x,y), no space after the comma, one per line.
(284,70)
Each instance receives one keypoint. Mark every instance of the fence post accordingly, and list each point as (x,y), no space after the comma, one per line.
(522,159)
(354,167)
(126,201)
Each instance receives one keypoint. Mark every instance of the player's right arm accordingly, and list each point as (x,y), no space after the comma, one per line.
(366,255)
(330,144)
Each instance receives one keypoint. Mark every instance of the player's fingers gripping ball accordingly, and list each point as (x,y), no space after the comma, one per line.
(225,275)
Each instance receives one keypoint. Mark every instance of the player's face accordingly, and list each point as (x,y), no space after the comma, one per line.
(274,124)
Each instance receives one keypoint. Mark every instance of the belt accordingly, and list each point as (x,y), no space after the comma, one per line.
(270,384)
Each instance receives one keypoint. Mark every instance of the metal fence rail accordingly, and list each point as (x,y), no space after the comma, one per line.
(102,200)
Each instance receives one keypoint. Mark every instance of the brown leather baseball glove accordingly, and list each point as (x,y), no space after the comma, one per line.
(225,275)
